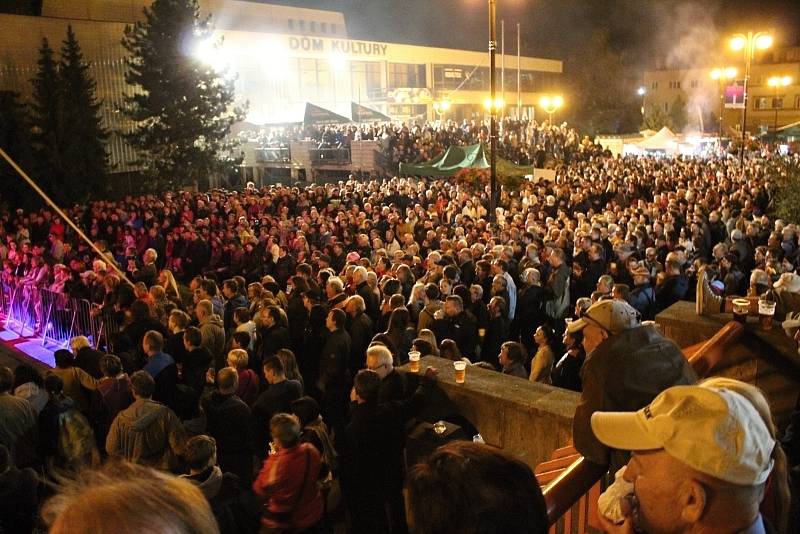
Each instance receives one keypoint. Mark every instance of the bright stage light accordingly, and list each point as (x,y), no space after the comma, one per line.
(208,51)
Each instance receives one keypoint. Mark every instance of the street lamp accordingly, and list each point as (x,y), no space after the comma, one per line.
(550,104)
(727,73)
(441,107)
(749,43)
(777,82)
(641,91)
(492,111)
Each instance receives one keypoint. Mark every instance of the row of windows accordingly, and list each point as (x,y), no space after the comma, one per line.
(762,103)
(771,102)
(469,78)
(313,26)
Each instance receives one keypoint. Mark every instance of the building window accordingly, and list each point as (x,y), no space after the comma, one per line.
(674,85)
(777,102)
(760,102)
(334,29)
(291,24)
(324,26)
(693,84)
(406,75)
(666,106)
(797,102)
(365,80)
(654,86)
(314,26)
(302,25)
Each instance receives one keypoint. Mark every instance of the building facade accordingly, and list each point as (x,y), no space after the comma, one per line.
(280,58)
(767,105)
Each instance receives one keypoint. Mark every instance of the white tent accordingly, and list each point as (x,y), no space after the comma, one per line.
(664,140)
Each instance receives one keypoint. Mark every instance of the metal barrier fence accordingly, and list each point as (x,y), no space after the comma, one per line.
(330,156)
(56,317)
(273,155)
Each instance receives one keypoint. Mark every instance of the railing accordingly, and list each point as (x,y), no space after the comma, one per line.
(330,156)
(56,317)
(273,155)
(709,355)
(571,487)
(571,484)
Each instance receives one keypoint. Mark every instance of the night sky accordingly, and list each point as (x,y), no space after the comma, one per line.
(640,29)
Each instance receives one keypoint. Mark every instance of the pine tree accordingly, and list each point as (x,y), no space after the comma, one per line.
(182,108)
(84,153)
(46,118)
(656,118)
(15,136)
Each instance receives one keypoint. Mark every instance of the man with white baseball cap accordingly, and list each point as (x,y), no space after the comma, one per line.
(627,365)
(701,459)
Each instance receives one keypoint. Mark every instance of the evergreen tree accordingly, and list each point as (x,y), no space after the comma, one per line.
(182,108)
(15,140)
(84,154)
(47,122)
(656,118)
(677,113)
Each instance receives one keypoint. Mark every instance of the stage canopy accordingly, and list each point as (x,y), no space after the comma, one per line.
(319,115)
(364,114)
(457,158)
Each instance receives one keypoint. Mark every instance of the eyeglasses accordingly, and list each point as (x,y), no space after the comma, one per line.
(376,367)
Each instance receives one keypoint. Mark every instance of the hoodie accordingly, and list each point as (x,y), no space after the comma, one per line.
(147,433)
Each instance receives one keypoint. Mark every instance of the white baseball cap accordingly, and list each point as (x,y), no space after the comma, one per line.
(713,430)
(611,315)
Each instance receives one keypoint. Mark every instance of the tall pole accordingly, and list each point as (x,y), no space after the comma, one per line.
(503,62)
(519,74)
(721,111)
(493,112)
(748,56)
(775,107)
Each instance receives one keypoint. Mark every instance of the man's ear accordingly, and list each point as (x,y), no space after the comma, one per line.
(693,499)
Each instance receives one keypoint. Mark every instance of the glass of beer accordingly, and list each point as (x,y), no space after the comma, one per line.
(413,361)
(766,310)
(461,371)
(741,307)
(481,333)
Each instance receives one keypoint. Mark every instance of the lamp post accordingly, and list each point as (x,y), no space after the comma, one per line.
(493,111)
(441,107)
(641,91)
(550,104)
(777,82)
(719,75)
(749,43)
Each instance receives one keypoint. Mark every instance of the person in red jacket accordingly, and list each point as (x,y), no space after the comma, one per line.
(288,481)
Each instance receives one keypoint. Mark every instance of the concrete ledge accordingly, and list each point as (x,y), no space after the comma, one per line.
(525,419)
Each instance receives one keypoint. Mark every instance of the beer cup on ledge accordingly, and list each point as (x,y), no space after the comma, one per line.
(461,371)
(413,361)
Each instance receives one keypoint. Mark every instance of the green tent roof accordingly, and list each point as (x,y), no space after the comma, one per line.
(463,157)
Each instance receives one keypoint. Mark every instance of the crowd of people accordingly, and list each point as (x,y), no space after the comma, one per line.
(259,331)
(522,141)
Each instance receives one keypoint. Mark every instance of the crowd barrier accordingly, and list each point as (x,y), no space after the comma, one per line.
(273,155)
(32,312)
(330,156)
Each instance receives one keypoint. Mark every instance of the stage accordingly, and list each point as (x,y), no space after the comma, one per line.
(26,348)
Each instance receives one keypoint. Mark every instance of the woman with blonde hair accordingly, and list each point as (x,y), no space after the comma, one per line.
(430,337)
(167,280)
(248,379)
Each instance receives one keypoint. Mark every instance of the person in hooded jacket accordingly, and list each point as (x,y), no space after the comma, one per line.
(235,508)
(19,495)
(147,432)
